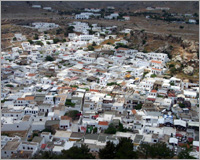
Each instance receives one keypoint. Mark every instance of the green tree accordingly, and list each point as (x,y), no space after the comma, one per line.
(45,155)
(77,153)
(9,85)
(182,105)
(94,44)
(195,14)
(143,41)
(49,58)
(111,129)
(39,43)
(121,128)
(153,75)
(14,39)
(36,37)
(124,150)
(138,107)
(56,40)
(90,48)
(173,70)
(171,65)
(73,114)
(64,40)
(69,103)
(184,154)
(70,29)
(58,31)
(72,153)
(30,41)
(144,150)
(160,150)
(108,152)
(95,130)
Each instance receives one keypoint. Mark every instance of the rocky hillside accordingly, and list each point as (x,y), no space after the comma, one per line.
(175,6)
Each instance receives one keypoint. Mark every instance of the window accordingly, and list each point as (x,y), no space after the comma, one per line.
(17,126)
(5,152)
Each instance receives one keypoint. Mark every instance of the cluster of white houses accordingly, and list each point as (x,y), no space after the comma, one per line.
(105,86)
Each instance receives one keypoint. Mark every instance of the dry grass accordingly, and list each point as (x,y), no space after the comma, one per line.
(15,133)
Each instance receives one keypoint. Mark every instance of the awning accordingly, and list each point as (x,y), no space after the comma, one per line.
(137,78)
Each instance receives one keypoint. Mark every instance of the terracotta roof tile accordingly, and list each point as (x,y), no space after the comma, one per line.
(43,146)
(29,98)
(134,111)
(104,123)
(153,61)
(94,90)
(20,98)
(31,74)
(122,49)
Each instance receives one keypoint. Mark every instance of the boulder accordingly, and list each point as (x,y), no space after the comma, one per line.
(177,59)
(186,43)
(177,66)
(188,70)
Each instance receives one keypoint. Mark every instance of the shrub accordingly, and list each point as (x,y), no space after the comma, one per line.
(36,37)
(14,39)
(94,44)
(182,105)
(173,70)
(9,85)
(69,103)
(39,43)
(153,75)
(138,107)
(64,40)
(90,48)
(112,83)
(56,40)
(95,130)
(143,41)
(30,41)
(171,65)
